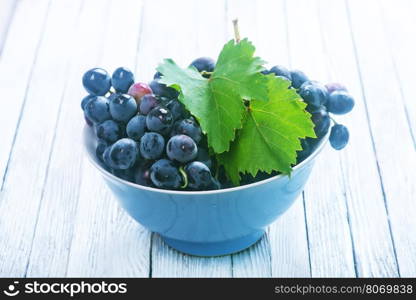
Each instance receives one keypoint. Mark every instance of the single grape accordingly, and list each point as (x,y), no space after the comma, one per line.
(181,148)
(177,109)
(313,93)
(298,78)
(147,103)
(136,127)
(335,86)
(280,71)
(160,120)
(340,102)
(165,175)
(339,136)
(122,79)
(206,64)
(123,107)
(127,174)
(157,75)
(96,81)
(308,146)
(199,176)
(107,158)
(152,145)
(188,127)
(215,184)
(88,121)
(142,173)
(97,110)
(85,101)
(123,154)
(109,131)
(322,122)
(138,90)
(162,90)
(100,148)
(203,156)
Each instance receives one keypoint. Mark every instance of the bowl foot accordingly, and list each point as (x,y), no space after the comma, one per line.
(214,248)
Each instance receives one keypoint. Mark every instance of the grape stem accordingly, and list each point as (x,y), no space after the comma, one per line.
(184,177)
(206,73)
(236,31)
(333,120)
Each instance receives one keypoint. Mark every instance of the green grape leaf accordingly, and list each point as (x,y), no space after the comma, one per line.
(217,102)
(270,133)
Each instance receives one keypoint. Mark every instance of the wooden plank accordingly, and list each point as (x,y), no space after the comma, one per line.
(399,27)
(392,138)
(330,243)
(22,188)
(112,244)
(16,64)
(7,8)
(61,223)
(367,215)
(198,30)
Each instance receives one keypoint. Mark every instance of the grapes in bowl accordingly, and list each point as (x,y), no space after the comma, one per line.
(204,223)
(205,161)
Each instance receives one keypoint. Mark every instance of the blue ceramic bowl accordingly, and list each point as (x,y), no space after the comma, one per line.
(208,223)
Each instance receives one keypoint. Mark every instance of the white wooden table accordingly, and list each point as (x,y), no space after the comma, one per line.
(357,215)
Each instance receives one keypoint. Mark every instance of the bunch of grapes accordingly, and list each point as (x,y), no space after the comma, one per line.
(146,136)
(321,100)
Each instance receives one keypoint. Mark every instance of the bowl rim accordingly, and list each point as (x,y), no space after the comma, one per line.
(220,191)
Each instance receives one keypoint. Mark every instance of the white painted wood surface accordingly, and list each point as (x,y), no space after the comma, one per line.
(357,216)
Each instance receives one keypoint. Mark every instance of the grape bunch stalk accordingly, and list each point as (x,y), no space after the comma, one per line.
(145,135)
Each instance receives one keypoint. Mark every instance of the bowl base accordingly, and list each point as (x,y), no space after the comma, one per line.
(214,248)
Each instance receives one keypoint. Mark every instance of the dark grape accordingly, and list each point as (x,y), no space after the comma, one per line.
(100,148)
(122,79)
(162,90)
(313,93)
(122,107)
(322,122)
(298,78)
(280,71)
(199,176)
(204,64)
(136,127)
(340,102)
(88,121)
(97,110)
(339,136)
(107,158)
(165,175)
(123,154)
(142,173)
(160,120)
(147,103)
(127,174)
(181,148)
(188,127)
(157,75)
(96,81)
(152,145)
(203,156)
(335,86)
(177,109)
(109,131)
(85,101)
(308,146)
